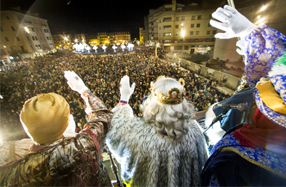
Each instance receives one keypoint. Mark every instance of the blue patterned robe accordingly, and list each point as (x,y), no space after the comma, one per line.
(230,163)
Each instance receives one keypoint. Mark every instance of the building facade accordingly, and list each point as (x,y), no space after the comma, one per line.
(181,28)
(25,34)
(141,35)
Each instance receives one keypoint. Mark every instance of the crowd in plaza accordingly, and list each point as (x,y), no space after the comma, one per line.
(102,75)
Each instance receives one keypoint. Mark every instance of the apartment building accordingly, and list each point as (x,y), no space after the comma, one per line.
(141,35)
(181,28)
(26,35)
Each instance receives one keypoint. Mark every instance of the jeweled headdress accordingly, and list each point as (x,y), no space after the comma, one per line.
(173,97)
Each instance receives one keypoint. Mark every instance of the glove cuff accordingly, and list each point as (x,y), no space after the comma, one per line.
(82,90)
(124,98)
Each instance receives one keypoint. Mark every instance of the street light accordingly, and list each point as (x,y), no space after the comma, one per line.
(65,38)
(263,8)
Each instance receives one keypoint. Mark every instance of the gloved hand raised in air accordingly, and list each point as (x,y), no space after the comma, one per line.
(232,22)
(75,82)
(125,90)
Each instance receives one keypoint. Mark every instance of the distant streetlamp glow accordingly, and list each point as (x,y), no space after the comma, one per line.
(258,16)
(183,33)
(75,40)
(263,8)
(65,38)
(26,29)
(182,24)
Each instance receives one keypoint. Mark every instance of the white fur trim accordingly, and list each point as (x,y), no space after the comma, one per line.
(151,159)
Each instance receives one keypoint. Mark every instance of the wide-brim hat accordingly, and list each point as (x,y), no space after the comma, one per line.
(270,93)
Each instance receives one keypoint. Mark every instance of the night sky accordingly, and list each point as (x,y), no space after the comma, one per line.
(90,16)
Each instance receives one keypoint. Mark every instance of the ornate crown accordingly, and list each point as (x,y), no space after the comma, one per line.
(173,97)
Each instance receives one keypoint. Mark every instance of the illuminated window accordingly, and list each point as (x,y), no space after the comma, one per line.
(167,27)
(167,34)
(176,33)
(167,41)
(167,19)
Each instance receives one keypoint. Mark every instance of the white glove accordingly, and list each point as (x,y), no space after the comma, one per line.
(75,82)
(233,23)
(125,90)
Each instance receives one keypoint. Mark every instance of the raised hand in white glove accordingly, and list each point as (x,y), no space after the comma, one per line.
(125,90)
(75,82)
(232,22)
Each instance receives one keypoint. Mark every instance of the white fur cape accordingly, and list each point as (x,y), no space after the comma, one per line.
(150,159)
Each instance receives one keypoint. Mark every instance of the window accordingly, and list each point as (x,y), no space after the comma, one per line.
(198,25)
(179,9)
(208,32)
(192,25)
(176,26)
(1,29)
(176,34)
(193,17)
(33,38)
(22,48)
(197,32)
(36,38)
(167,19)
(183,18)
(196,40)
(177,18)
(192,33)
(7,17)
(12,28)
(214,32)
(207,39)
(167,27)
(17,38)
(167,41)
(7,40)
(159,28)
(191,40)
(168,9)
(199,17)
(167,34)
(209,25)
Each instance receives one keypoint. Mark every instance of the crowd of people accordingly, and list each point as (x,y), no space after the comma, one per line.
(102,75)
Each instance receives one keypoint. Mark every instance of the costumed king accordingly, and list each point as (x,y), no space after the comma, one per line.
(55,160)
(253,153)
(164,148)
